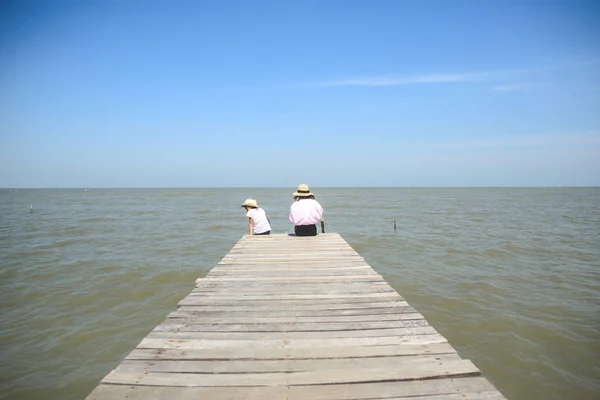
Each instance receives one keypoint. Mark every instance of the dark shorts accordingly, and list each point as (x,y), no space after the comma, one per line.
(305,230)
(264,233)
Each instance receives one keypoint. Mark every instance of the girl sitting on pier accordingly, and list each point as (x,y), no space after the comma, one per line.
(258,223)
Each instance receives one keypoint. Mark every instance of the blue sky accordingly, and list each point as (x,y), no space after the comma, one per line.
(273,94)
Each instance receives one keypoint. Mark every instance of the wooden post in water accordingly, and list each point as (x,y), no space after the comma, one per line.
(322,226)
(394,224)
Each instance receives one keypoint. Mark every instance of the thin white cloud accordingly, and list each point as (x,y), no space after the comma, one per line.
(406,80)
(510,87)
(538,140)
(449,77)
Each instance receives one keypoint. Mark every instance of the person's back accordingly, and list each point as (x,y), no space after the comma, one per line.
(305,212)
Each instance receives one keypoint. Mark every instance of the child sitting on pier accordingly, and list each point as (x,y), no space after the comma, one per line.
(258,223)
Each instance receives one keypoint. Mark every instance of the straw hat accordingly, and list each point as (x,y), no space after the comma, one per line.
(303,191)
(250,203)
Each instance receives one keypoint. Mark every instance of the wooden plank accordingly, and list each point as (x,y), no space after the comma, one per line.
(442,369)
(290,267)
(308,254)
(261,319)
(277,353)
(321,261)
(288,274)
(190,332)
(195,326)
(314,252)
(213,283)
(207,301)
(290,290)
(224,301)
(221,312)
(288,365)
(136,392)
(290,305)
(292,260)
(315,296)
(262,296)
(341,278)
(476,388)
(186,343)
(312,257)
(287,304)
(323,286)
(294,254)
(295,285)
(489,395)
(287,291)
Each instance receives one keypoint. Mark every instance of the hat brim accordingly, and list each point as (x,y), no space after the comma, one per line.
(297,194)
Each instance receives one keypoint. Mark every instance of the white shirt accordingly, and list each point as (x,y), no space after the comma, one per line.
(305,212)
(260,223)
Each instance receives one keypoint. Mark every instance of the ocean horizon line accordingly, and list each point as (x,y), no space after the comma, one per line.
(11,188)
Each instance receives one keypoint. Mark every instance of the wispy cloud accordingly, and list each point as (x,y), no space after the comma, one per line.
(501,76)
(532,140)
(510,87)
(392,80)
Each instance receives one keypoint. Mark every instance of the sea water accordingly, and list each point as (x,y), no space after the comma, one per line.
(510,276)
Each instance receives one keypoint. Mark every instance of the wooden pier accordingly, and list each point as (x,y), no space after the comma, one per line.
(284,317)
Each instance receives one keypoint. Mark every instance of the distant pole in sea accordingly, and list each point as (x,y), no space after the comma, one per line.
(31,209)
(322,226)
(394,224)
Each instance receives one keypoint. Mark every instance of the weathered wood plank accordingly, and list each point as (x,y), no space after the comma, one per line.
(296,266)
(290,305)
(261,319)
(204,311)
(333,278)
(442,369)
(291,290)
(293,263)
(312,254)
(193,332)
(295,285)
(187,343)
(316,252)
(235,302)
(288,365)
(195,326)
(476,388)
(204,282)
(301,255)
(278,353)
(287,274)
(302,303)
(314,296)
(489,395)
